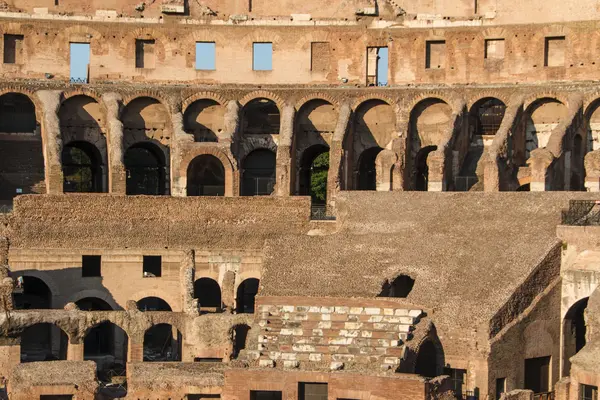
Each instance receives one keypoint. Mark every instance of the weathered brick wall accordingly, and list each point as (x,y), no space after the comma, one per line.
(334,333)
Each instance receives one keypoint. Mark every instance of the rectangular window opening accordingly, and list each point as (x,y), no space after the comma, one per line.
(152,266)
(377,66)
(312,391)
(265,395)
(206,56)
(588,392)
(554,51)
(202,396)
(80,62)
(144,53)
(262,57)
(500,387)
(435,54)
(537,374)
(494,49)
(320,56)
(56,397)
(91,266)
(13,49)
(208,360)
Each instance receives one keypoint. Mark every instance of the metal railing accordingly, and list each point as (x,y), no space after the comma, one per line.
(80,81)
(320,213)
(582,213)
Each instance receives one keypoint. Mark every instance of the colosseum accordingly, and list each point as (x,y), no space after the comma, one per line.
(300,199)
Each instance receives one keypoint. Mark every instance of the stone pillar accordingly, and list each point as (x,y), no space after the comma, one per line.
(75,351)
(336,153)
(228,296)
(592,171)
(51,139)
(117,178)
(283,183)
(179,143)
(435,163)
(135,352)
(540,162)
(187,273)
(232,122)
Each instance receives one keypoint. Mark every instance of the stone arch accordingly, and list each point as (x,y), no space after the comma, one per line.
(35,294)
(206,176)
(81,34)
(215,152)
(400,287)
(43,341)
(153,303)
(592,121)
(426,345)
(315,35)
(45,277)
(204,119)
(541,117)
(94,293)
(358,102)
(478,96)
(246,293)
(574,332)
(107,344)
(15,89)
(22,164)
(412,103)
(209,294)
(262,35)
(200,35)
(317,96)
(216,97)
(263,94)
(164,46)
(166,296)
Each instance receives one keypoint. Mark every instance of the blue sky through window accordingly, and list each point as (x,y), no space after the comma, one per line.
(262,57)
(205,56)
(80,60)
(382,66)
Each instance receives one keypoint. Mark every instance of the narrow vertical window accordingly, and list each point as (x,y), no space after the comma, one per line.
(80,62)
(377,66)
(13,49)
(262,59)
(144,53)
(205,56)
(500,387)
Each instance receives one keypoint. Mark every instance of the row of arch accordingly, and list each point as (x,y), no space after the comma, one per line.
(373,127)
(37,295)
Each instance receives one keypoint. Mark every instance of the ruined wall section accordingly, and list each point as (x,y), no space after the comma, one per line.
(333,333)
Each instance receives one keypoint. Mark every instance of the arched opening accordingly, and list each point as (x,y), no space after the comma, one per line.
(153,304)
(206,176)
(426,364)
(240,336)
(43,342)
(399,287)
(373,129)
(422,169)
(162,343)
(313,173)
(484,121)
(261,117)
(204,119)
(21,153)
(541,118)
(258,173)
(593,126)
(82,169)
(34,294)
(145,165)
(208,293)
(430,122)
(83,158)
(367,172)
(246,296)
(574,332)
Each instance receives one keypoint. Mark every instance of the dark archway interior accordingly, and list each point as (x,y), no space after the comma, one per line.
(81,163)
(34,295)
(313,173)
(153,304)
(43,342)
(161,343)
(246,296)
(258,173)
(206,177)
(421,168)
(208,293)
(100,339)
(399,287)
(367,172)
(261,116)
(488,115)
(426,364)
(574,331)
(17,114)
(240,334)
(145,167)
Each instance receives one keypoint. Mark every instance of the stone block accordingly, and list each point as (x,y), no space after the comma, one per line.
(288,356)
(349,333)
(352,325)
(372,311)
(324,325)
(306,348)
(291,364)
(401,312)
(326,317)
(415,313)
(315,357)
(274,355)
(317,332)
(342,310)
(343,357)
(286,331)
(314,309)
(266,363)
(336,366)
(388,311)
(327,310)
(288,309)
(356,310)
(366,334)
